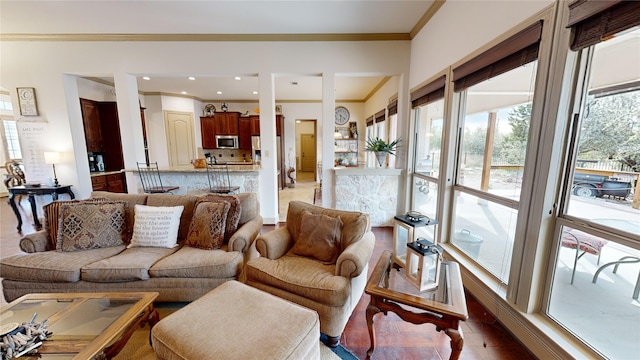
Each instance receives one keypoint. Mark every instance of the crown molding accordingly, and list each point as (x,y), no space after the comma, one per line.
(207,37)
(433,9)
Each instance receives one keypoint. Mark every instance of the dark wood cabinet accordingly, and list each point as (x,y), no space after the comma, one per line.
(92,126)
(255,124)
(244,133)
(111,182)
(112,142)
(208,130)
(279,125)
(226,123)
(144,135)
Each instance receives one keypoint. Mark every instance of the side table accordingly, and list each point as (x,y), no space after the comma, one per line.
(32,191)
(444,306)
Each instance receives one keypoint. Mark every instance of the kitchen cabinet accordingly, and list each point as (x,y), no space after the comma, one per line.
(92,126)
(112,142)
(244,133)
(110,182)
(226,123)
(255,124)
(208,131)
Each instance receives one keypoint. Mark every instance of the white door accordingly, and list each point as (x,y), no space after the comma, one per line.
(180,137)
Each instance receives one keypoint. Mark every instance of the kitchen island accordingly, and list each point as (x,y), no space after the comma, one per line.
(194,181)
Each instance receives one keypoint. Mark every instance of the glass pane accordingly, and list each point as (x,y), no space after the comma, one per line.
(485,231)
(603,313)
(608,153)
(496,129)
(90,318)
(424,196)
(429,122)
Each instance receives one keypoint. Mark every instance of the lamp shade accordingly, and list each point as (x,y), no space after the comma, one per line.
(51,157)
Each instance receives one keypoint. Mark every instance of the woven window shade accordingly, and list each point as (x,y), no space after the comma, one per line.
(429,93)
(370,121)
(392,108)
(518,50)
(593,21)
(380,116)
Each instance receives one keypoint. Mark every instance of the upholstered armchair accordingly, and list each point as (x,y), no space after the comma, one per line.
(329,277)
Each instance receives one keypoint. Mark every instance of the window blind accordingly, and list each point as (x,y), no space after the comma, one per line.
(429,93)
(593,21)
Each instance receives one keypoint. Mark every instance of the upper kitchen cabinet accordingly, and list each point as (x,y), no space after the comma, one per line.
(226,123)
(244,137)
(110,127)
(92,126)
(208,130)
(255,124)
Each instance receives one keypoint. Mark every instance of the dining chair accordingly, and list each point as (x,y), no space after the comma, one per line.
(150,179)
(583,243)
(219,180)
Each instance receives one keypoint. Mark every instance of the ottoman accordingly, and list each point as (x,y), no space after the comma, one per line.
(236,321)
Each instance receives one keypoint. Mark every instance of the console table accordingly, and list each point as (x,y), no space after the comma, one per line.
(32,191)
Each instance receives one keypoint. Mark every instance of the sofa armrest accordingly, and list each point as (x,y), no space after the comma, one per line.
(243,237)
(35,242)
(356,256)
(274,244)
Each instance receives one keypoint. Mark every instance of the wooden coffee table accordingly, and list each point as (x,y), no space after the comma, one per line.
(445,306)
(84,325)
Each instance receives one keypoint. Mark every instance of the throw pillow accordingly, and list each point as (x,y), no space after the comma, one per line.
(52,218)
(235,210)
(91,225)
(319,237)
(156,226)
(208,223)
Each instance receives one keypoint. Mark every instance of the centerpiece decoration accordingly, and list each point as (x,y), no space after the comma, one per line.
(382,148)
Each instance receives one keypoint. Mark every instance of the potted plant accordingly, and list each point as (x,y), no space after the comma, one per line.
(382,148)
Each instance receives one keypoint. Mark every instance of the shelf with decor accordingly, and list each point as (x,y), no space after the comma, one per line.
(345,152)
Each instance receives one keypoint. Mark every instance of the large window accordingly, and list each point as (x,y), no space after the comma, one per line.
(595,288)
(496,101)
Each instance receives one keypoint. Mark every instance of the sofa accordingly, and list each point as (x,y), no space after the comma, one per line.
(319,260)
(179,273)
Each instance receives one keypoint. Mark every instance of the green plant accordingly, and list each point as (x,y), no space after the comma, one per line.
(377,144)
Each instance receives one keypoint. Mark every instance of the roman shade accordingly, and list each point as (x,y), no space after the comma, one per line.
(593,21)
(380,116)
(370,121)
(392,108)
(429,93)
(521,48)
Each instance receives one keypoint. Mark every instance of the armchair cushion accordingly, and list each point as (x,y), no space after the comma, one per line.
(208,225)
(319,237)
(302,276)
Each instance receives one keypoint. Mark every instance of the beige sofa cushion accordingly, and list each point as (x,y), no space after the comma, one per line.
(355,223)
(303,276)
(131,199)
(249,205)
(129,265)
(53,266)
(190,262)
(188,201)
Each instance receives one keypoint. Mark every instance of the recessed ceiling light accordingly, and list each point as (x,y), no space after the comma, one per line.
(183,92)
(146,78)
(191,78)
(255,93)
(237,78)
(219,92)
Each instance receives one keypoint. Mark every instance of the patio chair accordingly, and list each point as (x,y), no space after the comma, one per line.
(151,181)
(219,180)
(583,243)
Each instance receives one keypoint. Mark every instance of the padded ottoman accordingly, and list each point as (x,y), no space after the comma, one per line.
(236,321)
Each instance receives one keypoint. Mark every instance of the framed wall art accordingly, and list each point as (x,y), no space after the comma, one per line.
(27,101)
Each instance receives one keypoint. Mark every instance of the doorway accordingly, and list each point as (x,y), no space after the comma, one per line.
(305,175)
(180,137)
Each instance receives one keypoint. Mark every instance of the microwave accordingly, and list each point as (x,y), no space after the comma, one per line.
(226,142)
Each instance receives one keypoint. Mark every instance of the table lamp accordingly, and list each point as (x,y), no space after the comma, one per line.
(52,157)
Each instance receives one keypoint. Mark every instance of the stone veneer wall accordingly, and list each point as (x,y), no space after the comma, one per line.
(373,191)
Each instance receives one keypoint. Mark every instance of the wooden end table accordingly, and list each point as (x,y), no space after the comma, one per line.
(444,307)
(85,325)
(31,192)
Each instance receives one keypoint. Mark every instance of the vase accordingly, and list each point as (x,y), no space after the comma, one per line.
(382,157)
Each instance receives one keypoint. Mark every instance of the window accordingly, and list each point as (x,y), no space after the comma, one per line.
(495,91)
(11,140)
(598,211)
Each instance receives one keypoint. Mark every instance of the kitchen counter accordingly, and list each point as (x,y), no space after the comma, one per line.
(102,173)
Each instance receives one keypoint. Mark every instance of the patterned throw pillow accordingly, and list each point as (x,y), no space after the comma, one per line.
(156,226)
(208,223)
(319,237)
(235,210)
(91,225)
(52,218)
